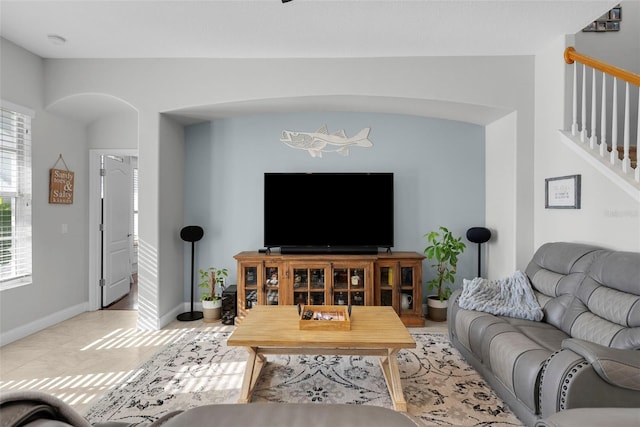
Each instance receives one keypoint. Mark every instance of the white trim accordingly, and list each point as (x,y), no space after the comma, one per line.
(172,314)
(42,323)
(16,283)
(17,108)
(625,182)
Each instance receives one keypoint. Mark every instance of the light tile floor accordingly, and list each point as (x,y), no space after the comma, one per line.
(79,359)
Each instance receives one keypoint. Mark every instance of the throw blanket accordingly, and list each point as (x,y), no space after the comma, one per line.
(511,296)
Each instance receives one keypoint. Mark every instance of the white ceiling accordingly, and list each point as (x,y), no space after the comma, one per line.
(298,29)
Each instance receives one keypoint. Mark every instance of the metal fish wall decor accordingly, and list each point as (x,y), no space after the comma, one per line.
(321,141)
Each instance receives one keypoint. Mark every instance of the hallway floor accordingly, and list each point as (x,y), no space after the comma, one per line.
(129,301)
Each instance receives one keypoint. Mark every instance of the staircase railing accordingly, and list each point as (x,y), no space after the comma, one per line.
(596,125)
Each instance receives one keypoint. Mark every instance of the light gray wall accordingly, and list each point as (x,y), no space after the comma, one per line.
(438,168)
(502,193)
(119,130)
(59,289)
(170,213)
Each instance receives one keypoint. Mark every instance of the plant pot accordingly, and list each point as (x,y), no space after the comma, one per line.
(211,311)
(436,309)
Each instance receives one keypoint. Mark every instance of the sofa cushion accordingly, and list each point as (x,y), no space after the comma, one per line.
(470,327)
(562,257)
(606,306)
(619,270)
(588,326)
(555,272)
(516,361)
(543,334)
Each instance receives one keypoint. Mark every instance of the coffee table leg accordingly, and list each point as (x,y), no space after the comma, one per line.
(255,363)
(391,373)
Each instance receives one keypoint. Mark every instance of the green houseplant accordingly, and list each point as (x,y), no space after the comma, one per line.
(211,302)
(443,250)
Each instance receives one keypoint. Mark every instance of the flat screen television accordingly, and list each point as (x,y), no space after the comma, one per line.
(328,212)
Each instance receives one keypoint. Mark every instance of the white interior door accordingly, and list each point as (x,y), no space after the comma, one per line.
(117,220)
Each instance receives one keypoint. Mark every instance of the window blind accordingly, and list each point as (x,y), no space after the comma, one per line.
(15,197)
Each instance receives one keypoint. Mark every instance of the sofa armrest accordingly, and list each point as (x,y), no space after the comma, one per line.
(618,367)
(596,417)
(568,380)
(452,308)
(31,408)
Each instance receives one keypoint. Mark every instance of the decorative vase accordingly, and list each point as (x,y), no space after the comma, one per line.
(436,309)
(211,310)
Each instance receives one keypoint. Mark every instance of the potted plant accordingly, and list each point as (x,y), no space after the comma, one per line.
(443,250)
(211,301)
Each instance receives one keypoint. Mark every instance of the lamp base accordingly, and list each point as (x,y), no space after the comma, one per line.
(190,316)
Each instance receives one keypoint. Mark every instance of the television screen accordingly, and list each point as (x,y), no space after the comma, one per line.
(328,212)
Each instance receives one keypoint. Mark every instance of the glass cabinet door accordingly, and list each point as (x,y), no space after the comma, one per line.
(398,285)
(250,274)
(340,286)
(261,284)
(271,285)
(385,282)
(406,289)
(349,285)
(309,285)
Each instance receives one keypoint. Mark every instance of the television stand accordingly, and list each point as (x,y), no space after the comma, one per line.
(332,278)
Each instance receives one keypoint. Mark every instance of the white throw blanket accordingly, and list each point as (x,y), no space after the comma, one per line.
(511,296)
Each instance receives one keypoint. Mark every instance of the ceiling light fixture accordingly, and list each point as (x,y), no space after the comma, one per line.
(56,39)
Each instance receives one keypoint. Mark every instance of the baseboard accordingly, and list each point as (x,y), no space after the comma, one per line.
(181,308)
(42,323)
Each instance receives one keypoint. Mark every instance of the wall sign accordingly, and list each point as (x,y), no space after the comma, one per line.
(61,184)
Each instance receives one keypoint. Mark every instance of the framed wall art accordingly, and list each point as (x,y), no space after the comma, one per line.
(610,21)
(562,192)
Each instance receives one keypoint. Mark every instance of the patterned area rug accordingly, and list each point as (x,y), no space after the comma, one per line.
(199,369)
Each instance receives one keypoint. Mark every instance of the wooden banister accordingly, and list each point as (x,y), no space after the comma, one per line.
(570,55)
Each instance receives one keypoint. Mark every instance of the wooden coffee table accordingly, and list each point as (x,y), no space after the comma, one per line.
(375,331)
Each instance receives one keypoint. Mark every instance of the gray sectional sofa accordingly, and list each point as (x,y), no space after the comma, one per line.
(586,350)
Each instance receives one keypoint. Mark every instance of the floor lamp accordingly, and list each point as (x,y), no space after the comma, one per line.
(191,233)
(478,235)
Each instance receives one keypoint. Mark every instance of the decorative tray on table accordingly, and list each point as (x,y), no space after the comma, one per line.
(325,317)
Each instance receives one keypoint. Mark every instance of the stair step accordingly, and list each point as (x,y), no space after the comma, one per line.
(633,154)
